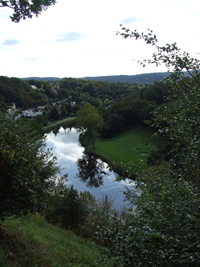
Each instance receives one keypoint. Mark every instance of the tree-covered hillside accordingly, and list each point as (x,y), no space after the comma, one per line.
(148,78)
(14,90)
(47,79)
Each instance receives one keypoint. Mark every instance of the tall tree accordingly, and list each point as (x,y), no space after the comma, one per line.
(23,9)
(64,111)
(89,122)
(69,209)
(28,171)
(54,113)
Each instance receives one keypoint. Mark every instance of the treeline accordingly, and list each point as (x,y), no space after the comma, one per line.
(134,109)
(30,93)
(14,90)
(121,104)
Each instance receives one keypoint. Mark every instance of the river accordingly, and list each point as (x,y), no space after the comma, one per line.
(85,171)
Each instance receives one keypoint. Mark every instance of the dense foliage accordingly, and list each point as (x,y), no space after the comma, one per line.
(164,229)
(28,172)
(80,212)
(14,90)
(68,211)
(88,123)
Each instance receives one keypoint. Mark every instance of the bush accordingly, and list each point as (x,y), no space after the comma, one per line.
(68,210)
(27,170)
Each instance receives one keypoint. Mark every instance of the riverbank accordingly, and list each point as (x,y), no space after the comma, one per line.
(128,151)
(55,124)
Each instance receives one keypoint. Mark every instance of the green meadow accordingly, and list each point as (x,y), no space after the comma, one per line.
(132,147)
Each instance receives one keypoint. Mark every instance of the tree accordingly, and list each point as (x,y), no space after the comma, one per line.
(112,126)
(54,113)
(150,95)
(89,122)
(64,111)
(90,89)
(69,210)
(164,228)
(115,121)
(23,9)
(106,102)
(28,171)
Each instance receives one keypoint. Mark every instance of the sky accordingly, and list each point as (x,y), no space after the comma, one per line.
(78,38)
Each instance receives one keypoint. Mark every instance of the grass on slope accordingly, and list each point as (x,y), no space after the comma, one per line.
(127,147)
(32,242)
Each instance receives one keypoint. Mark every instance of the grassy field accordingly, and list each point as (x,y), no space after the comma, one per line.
(127,147)
(34,242)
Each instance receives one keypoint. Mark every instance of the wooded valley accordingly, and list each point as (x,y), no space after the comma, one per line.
(161,225)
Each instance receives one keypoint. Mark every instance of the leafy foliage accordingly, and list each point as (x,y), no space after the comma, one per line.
(54,113)
(99,213)
(27,170)
(20,92)
(80,212)
(88,122)
(68,210)
(23,9)
(164,229)
(64,111)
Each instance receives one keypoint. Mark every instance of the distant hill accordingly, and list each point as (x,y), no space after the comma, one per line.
(149,78)
(48,79)
(139,78)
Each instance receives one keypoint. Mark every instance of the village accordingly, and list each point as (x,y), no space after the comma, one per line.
(30,113)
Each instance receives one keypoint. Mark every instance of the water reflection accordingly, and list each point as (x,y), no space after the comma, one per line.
(85,172)
(56,130)
(90,170)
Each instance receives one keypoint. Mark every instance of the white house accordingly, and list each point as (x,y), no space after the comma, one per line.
(31,113)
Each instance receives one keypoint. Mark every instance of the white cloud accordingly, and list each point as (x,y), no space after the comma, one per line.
(70,36)
(10,41)
(130,20)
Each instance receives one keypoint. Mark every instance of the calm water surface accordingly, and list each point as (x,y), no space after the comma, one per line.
(85,172)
